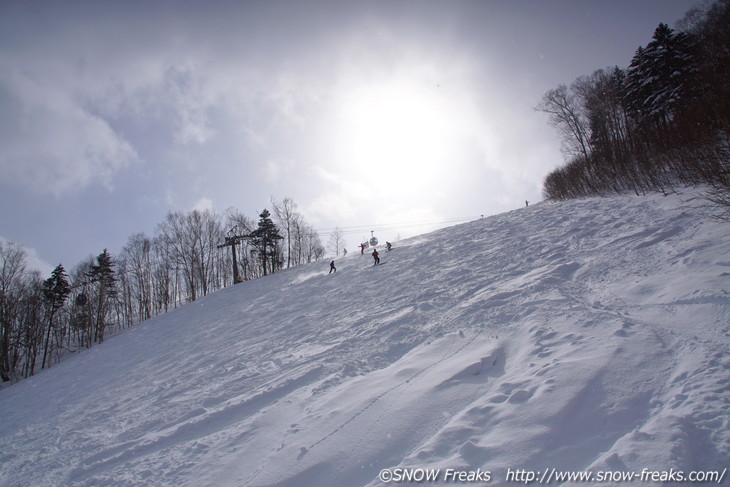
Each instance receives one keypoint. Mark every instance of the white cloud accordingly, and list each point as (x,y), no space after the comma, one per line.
(338,199)
(190,97)
(32,259)
(53,144)
(65,104)
(203,204)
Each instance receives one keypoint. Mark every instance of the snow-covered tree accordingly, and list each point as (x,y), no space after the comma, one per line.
(659,78)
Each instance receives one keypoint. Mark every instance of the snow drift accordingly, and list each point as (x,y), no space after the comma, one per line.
(588,336)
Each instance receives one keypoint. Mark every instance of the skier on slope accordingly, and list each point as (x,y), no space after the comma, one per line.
(375,257)
(332,267)
(388,245)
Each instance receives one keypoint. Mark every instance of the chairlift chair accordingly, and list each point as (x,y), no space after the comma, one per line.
(81,300)
(373,240)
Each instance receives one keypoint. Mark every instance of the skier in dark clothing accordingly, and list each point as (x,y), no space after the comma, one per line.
(388,246)
(375,256)
(332,267)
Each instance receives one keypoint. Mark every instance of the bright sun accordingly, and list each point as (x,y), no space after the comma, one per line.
(395,133)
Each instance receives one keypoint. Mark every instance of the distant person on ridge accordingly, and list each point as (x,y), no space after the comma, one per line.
(375,257)
(362,249)
(388,245)
(332,267)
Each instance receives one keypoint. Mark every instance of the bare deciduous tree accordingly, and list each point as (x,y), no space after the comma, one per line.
(337,241)
(566,114)
(287,216)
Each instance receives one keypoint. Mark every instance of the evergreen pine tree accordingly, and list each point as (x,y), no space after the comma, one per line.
(55,291)
(103,273)
(265,239)
(659,78)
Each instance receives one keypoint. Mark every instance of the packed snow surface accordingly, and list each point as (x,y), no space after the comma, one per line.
(584,336)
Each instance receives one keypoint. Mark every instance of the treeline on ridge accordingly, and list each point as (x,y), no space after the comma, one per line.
(662,122)
(42,321)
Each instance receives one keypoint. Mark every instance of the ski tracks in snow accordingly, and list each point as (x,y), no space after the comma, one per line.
(589,334)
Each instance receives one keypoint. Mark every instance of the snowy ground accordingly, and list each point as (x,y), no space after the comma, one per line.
(590,335)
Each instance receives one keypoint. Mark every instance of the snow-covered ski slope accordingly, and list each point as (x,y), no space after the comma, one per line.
(589,335)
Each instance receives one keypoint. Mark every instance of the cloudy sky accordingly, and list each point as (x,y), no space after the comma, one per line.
(369,114)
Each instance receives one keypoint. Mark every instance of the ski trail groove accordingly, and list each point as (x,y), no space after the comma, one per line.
(199,427)
(391,389)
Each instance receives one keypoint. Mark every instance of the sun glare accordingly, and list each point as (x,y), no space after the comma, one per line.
(395,134)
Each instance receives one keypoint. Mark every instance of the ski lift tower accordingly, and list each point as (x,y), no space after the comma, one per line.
(232,240)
